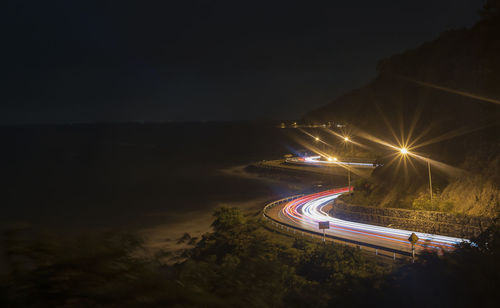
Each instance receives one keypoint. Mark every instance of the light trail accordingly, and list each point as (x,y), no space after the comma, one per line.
(316,160)
(307,211)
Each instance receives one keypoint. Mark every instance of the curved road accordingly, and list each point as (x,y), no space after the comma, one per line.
(306,212)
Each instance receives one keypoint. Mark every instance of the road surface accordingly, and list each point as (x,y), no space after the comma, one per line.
(305,212)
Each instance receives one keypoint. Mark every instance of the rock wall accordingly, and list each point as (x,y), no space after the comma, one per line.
(420,221)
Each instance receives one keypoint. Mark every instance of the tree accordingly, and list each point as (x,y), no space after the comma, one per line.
(227,219)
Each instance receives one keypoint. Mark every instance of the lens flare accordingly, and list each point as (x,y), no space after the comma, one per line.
(449,90)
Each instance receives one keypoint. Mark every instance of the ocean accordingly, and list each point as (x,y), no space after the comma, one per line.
(162,179)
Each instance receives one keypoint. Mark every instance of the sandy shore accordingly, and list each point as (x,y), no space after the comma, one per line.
(165,237)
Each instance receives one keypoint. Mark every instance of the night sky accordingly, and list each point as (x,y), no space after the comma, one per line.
(86,61)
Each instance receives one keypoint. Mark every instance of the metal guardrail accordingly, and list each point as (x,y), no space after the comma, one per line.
(274,203)
(332,237)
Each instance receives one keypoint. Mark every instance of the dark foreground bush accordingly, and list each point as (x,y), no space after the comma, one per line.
(239,264)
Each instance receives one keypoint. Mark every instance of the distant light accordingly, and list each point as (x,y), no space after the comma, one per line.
(335,158)
(330,159)
(317,138)
(403,151)
(346,138)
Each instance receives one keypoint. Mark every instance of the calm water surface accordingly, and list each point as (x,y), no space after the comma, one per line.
(137,175)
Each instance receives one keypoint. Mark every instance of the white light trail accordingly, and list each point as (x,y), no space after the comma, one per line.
(309,210)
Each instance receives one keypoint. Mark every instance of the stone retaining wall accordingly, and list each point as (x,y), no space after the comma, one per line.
(420,221)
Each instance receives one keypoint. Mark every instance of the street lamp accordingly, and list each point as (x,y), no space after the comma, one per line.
(348,144)
(404,152)
(349,178)
(322,142)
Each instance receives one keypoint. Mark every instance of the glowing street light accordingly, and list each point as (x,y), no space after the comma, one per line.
(317,138)
(404,152)
(348,144)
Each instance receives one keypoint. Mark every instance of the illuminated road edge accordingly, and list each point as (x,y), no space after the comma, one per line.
(303,212)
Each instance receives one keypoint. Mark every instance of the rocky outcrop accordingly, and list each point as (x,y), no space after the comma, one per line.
(420,221)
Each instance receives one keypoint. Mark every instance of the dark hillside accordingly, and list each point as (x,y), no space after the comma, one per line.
(466,60)
(448,89)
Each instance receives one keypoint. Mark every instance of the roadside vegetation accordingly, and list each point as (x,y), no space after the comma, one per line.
(241,263)
(475,191)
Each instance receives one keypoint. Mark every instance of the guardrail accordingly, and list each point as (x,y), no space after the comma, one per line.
(277,202)
(377,249)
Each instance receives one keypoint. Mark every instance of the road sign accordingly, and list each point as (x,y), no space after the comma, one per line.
(413,238)
(324,225)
